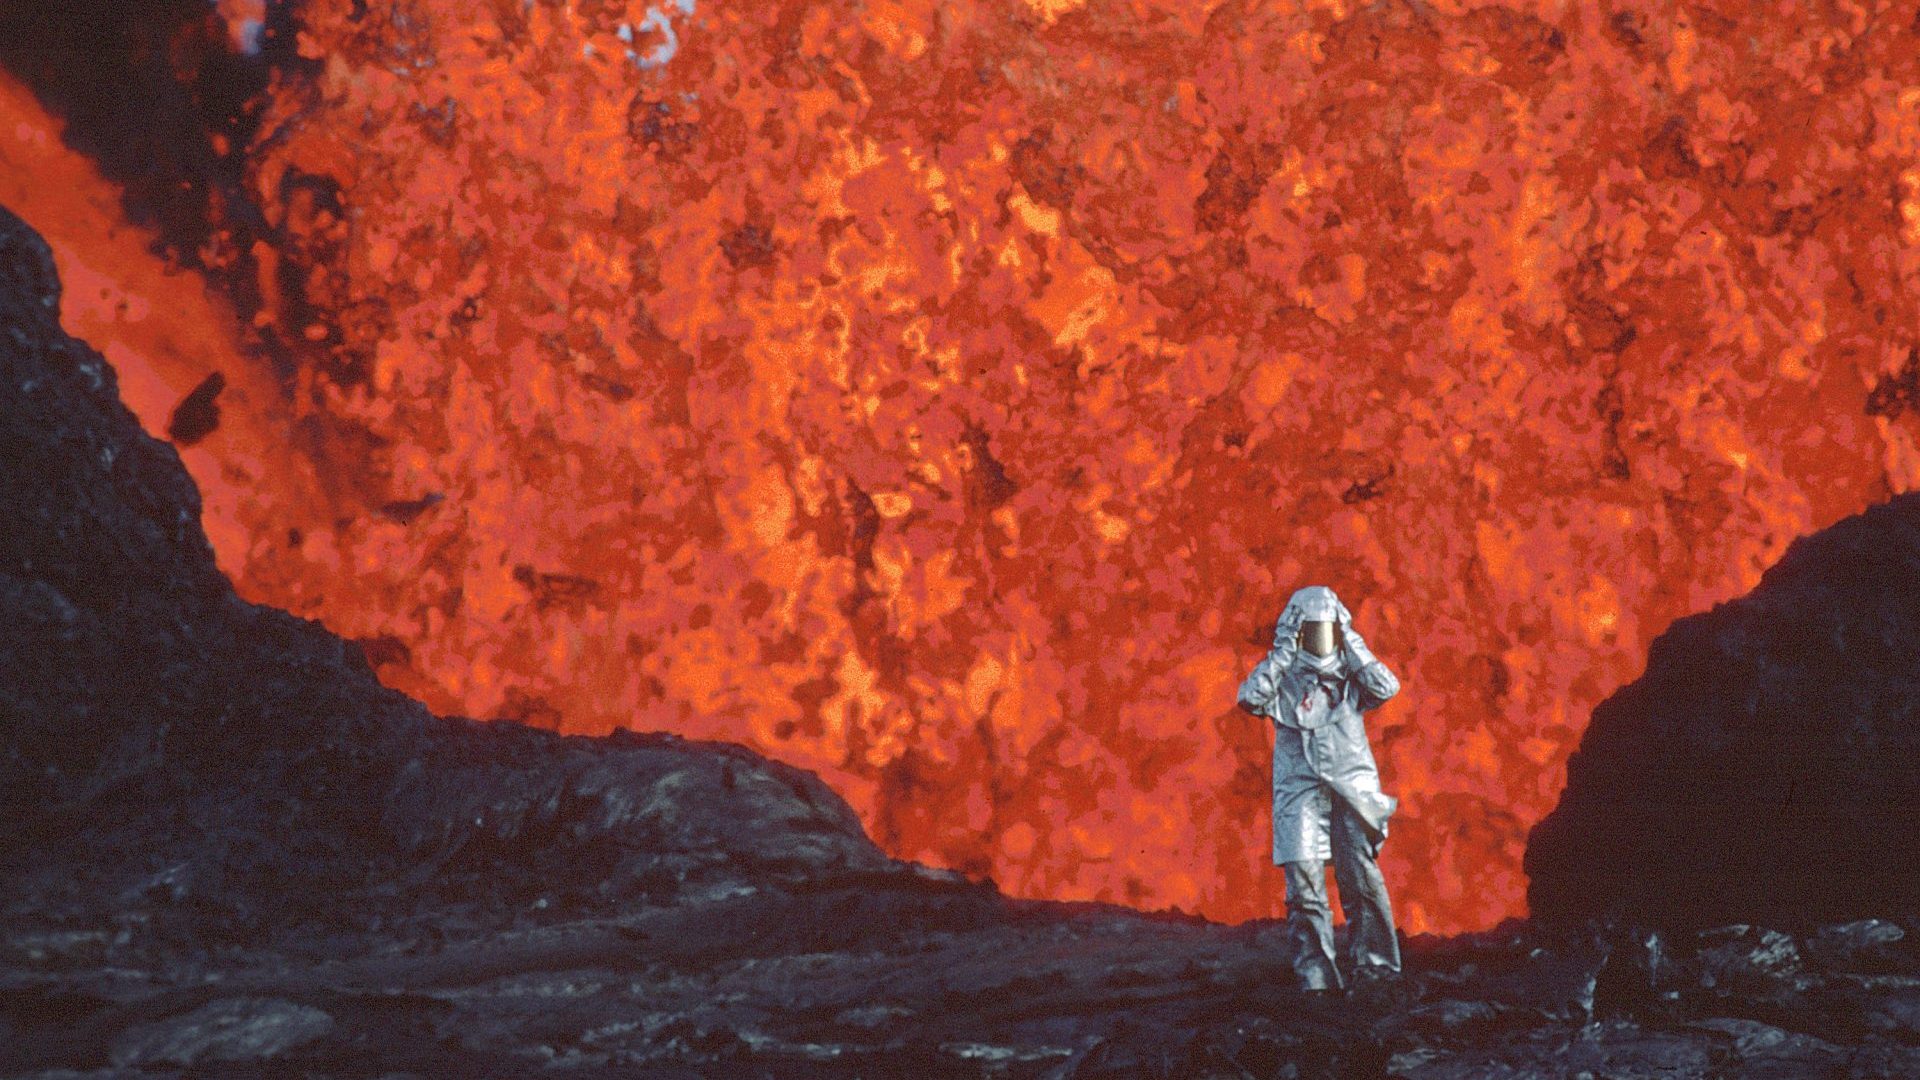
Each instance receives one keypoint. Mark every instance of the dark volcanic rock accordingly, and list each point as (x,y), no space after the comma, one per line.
(1766,768)
(233,1029)
(225,850)
(1869,945)
(215,767)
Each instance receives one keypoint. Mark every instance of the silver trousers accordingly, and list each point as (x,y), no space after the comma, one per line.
(1371,942)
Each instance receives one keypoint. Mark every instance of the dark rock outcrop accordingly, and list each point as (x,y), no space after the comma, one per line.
(173,752)
(1766,768)
(228,852)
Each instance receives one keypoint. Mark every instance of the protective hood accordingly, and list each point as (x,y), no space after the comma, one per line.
(1312,602)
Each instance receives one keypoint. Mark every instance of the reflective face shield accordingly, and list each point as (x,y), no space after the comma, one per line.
(1317,637)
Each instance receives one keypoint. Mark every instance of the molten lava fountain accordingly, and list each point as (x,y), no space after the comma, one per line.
(946,396)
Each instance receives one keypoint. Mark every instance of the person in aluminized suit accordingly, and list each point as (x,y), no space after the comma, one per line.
(1314,685)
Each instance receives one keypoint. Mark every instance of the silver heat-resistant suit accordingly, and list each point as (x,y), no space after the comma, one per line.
(1327,802)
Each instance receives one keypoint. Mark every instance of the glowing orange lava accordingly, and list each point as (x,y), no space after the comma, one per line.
(945,396)
(162,330)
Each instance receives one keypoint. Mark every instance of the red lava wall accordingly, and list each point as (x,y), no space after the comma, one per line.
(945,397)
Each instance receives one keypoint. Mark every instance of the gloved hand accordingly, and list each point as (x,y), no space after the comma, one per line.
(1286,633)
(1357,654)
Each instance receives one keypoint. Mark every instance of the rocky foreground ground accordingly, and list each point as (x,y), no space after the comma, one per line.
(949,981)
(227,851)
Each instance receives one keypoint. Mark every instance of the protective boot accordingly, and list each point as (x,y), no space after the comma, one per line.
(1310,926)
(1373,949)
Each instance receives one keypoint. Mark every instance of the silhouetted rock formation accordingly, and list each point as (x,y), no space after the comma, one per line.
(227,852)
(172,749)
(1766,768)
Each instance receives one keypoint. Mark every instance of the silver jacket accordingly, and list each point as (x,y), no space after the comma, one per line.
(1320,748)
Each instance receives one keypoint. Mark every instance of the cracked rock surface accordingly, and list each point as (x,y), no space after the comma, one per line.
(229,852)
